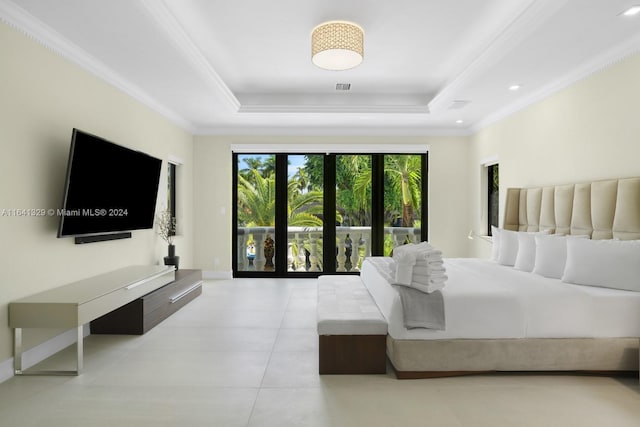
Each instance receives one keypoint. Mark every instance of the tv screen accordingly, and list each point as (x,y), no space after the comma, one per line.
(109,188)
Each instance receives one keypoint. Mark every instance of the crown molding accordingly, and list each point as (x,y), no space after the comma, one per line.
(364,109)
(530,17)
(158,10)
(586,69)
(27,24)
(329,131)
(391,147)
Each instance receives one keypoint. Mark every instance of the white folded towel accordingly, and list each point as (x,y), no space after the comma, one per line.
(405,258)
(419,266)
(413,248)
(403,274)
(437,280)
(427,288)
(427,270)
(436,262)
(429,255)
(416,278)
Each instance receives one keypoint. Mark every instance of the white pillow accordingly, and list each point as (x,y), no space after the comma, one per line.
(495,238)
(525,260)
(526,257)
(551,254)
(508,247)
(607,263)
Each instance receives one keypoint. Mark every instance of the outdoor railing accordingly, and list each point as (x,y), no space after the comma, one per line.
(304,247)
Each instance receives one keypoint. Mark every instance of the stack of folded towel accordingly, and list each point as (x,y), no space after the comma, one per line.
(419,266)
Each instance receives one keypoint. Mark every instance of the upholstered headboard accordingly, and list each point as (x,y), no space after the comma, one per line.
(601,209)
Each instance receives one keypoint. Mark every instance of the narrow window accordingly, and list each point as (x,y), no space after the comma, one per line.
(492,196)
(171,189)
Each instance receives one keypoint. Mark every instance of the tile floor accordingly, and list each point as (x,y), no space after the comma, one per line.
(245,354)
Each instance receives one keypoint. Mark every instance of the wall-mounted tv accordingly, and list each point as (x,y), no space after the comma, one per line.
(109,190)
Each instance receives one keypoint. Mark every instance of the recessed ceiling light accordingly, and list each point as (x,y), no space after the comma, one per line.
(632,11)
(459,121)
(514,87)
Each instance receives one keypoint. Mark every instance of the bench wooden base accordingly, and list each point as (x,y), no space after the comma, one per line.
(353,354)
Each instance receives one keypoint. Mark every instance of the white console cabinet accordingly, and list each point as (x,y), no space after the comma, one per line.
(73,305)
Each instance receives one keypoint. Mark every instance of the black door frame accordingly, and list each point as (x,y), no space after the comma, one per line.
(329,212)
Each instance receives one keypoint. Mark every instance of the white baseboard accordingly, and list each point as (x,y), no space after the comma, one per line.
(40,352)
(217,275)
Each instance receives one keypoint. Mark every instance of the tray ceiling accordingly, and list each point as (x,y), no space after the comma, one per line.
(430,67)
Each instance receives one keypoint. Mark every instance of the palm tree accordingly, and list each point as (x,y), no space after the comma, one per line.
(256,199)
(353,180)
(256,202)
(304,208)
(300,180)
(405,178)
(265,165)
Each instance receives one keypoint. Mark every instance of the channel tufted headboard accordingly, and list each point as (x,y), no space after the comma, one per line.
(601,209)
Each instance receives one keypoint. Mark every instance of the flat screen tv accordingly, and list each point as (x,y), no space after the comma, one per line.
(109,189)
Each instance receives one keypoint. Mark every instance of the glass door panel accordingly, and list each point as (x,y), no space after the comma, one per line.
(353,206)
(256,222)
(371,203)
(402,200)
(305,203)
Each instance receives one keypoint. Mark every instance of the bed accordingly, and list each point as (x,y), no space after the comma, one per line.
(499,318)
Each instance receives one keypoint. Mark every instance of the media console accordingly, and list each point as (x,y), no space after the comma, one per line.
(142,314)
(73,305)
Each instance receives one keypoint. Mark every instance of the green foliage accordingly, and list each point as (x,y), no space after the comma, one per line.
(256,202)
(353,188)
(256,199)
(265,165)
(402,198)
(403,191)
(305,209)
(314,171)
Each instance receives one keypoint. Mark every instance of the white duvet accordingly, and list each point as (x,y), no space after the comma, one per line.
(484,299)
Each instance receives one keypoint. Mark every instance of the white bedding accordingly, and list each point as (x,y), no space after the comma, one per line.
(484,299)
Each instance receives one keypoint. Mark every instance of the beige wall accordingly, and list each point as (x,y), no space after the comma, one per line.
(587,131)
(42,97)
(448,192)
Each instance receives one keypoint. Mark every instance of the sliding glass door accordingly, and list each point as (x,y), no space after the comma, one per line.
(302,215)
(353,207)
(255,215)
(403,207)
(305,212)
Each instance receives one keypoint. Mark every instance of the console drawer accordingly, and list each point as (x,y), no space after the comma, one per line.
(145,312)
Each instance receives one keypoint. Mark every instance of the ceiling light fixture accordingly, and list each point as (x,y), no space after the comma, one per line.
(632,11)
(459,121)
(337,45)
(514,87)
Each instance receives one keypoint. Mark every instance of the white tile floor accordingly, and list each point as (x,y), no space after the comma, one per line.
(245,354)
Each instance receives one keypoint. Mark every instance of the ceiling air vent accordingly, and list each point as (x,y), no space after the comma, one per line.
(458,104)
(343,86)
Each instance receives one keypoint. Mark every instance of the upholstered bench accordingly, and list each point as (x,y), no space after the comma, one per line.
(352,331)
